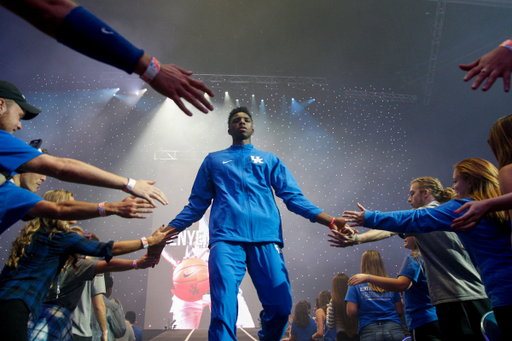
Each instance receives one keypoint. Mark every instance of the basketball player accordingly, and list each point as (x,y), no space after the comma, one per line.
(245,228)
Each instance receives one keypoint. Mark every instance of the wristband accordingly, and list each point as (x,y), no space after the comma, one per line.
(355,241)
(507,44)
(152,70)
(144,241)
(130,185)
(135,264)
(105,332)
(86,33)
(332,223)
(101,209)
(368,278)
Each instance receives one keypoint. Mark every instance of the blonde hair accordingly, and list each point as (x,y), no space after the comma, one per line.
(435,188)
(20,245)
(371,263)
(339,305)
(482,177)
(500,140)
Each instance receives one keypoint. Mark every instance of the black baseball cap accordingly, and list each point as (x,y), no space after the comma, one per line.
(9,91)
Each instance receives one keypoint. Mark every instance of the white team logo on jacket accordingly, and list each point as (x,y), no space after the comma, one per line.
(256,159)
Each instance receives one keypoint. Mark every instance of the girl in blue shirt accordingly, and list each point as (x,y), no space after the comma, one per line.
(376,308)
(420,315)
(303,326)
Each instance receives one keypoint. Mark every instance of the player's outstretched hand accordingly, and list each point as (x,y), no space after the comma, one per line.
(491,66)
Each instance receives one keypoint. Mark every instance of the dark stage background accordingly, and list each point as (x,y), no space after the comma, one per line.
(341,147)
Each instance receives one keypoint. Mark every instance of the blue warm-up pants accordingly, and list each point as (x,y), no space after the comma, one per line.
(227,264)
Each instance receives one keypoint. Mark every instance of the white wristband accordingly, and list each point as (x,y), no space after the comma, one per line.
(145,243)
(130,185)
(152,71)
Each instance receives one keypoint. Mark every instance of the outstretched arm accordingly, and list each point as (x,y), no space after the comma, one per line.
(157,238)
(71,170)
(77,210)
(349,238)
(399,284)
(495,64)
(82,31)
(117,265)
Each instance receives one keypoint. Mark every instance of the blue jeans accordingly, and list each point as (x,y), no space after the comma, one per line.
(382,331)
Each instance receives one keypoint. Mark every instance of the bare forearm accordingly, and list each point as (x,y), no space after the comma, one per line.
(45,15)
(373,236)
(123,247)
(69,210)
(73,171)
(391,284)
(100,310)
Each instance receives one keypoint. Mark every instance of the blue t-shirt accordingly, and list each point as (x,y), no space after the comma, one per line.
(418,308)
(488,247)
(14,153)
(373,306)
(16,202)
(304,334)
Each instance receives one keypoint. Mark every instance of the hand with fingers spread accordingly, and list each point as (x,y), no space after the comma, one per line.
(343,238)
(155,251)
(130,207)
(145,189)
(145,262)
(491,66)
(175,83)
(476,210)
(356,218)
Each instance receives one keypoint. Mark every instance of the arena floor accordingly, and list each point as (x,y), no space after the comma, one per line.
(202,335)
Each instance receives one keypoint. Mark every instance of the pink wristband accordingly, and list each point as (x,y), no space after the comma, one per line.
(135,264)
(101,209)
(332,223)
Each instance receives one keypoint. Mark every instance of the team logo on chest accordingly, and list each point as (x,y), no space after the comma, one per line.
(256,159)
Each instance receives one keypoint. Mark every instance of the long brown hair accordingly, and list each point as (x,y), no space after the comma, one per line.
(482,177)
(500,140)
(371,263)
(301,315)
(323,300)
(339,305)
(20,245)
